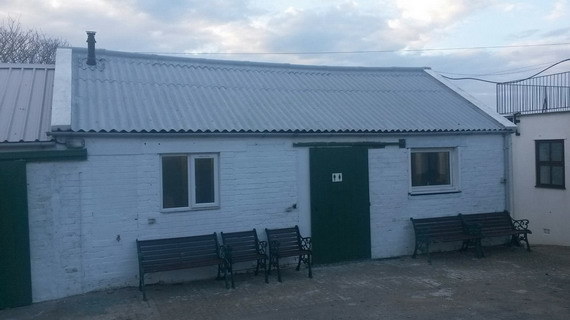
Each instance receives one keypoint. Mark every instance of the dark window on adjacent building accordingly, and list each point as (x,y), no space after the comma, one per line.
(550,164)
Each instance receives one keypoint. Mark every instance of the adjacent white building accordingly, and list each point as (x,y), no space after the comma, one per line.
(541,109)
(179,147)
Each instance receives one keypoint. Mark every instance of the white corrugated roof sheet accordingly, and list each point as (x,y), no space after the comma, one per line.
(128,92)
(25,102)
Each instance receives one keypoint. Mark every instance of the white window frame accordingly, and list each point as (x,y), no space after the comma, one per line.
(192,186)
(453,173)
(192,205)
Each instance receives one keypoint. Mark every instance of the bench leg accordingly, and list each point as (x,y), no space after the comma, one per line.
(257,267)
(299,264)
(265,271)
(141,286)
(278,271)
(525,238)
(228,270)
(415,250)
(309,262)
(219,277)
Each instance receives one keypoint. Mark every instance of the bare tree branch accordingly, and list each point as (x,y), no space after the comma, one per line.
(19,45)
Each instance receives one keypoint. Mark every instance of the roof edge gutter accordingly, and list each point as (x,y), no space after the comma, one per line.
(20,145)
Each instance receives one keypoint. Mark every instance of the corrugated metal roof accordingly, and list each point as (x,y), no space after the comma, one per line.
(25,102)
(129,92)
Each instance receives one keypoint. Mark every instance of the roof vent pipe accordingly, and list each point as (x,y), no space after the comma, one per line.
(91,48)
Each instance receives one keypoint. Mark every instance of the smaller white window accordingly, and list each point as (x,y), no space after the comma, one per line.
(189,181)
(204,181)
(433,171)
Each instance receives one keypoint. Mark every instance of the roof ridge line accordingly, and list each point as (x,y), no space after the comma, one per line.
(244,62)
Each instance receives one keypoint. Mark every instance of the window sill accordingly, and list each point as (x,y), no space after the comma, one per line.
(173,210)
(429,193)
(550,187)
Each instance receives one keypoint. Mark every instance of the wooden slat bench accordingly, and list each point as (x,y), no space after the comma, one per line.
(180,253)
(287,242)
(244,246)
(444,229)
(499,224)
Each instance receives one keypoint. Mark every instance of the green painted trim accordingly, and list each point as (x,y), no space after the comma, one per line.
(45,155)
(371,145)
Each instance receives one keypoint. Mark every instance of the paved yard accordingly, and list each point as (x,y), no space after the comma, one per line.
(508,284)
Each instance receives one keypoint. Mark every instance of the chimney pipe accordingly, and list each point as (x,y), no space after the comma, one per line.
(91,48)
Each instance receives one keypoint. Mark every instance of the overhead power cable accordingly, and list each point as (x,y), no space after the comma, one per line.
(512,81)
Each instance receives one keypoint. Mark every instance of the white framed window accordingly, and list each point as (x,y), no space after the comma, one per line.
(189,181)
(434,170)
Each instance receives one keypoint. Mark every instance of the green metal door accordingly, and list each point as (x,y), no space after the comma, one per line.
(15,276)
(340,207)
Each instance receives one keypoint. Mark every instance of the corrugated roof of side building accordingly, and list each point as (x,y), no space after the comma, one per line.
(128,92)
(25,102)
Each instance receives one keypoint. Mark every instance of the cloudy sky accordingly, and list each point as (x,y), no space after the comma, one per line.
(530,34)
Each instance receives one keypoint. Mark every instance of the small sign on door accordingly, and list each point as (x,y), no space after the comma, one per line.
(337,177)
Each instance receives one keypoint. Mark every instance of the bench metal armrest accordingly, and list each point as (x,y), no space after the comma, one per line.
(521,224)
(262,247)
(306,243)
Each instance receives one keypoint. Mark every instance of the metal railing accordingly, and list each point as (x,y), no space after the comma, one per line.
(549,93)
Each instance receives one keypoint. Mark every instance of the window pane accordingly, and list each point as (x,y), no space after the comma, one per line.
(174,182)
(543,151)
(544,174)
(557,175)
(204,177)
(557,151)
(430,168)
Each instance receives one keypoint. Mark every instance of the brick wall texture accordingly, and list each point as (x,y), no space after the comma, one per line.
(86,215)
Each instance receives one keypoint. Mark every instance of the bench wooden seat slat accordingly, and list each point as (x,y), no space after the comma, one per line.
(158,255)
(179,259)
(287,242)
(244,246)
(178,265)
(443,229)
(165,249)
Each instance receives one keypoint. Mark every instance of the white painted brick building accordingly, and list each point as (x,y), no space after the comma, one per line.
(85,216)
(258,128)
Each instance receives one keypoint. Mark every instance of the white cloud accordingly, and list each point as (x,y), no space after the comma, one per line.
(420,22)
(559,10)
(195,26)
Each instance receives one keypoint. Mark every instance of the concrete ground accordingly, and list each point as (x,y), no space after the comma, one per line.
(508,284)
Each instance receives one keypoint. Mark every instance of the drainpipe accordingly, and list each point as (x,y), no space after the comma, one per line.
(508,160)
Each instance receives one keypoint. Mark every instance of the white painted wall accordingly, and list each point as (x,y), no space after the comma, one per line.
(481,172)
(547,209)
(86,215)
